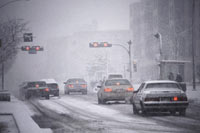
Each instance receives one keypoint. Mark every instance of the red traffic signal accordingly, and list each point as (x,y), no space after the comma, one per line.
(97,45)
(37,48)
(33,48)
(25,48)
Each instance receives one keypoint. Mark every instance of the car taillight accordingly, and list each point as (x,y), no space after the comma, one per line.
(46,89)
(129,89)
(70,86)
(37,86)
(107,89)
(175,98)
(83,86)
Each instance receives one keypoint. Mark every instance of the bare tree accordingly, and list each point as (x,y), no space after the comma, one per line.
(10,35)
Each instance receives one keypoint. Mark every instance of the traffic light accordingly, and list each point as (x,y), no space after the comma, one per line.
(0,43)
(33,49)
(25,48)
(102,44)
(37,48)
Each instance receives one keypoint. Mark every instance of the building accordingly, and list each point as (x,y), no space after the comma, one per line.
(162,37)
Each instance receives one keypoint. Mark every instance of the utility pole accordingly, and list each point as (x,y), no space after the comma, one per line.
(159,36)
(129,53)
(193,45)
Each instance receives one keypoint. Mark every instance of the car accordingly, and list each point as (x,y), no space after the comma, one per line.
(75,85)
(53,89)
(33,88)
(111,76)
(53,86)
(115,90)
(160,96)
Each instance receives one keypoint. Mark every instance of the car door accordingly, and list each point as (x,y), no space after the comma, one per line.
(137,96)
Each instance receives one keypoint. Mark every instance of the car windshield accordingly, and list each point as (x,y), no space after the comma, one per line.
(39,84)
(52,85)
(76,81)
(162,85)
(117,82)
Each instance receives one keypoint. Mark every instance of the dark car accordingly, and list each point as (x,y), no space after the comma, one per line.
(34,88)
(75,85)
(160,96)
(115,90)
(53,89)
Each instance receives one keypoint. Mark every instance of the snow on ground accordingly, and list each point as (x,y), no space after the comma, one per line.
(22,116)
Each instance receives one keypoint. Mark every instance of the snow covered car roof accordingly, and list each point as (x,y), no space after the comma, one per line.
(49,80)
(160,81)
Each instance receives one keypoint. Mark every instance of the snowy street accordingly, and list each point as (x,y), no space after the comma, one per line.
(81,113)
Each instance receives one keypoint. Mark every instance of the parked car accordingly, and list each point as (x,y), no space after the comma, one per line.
(160,95)
(115,90)
(75,85)
(53,86)
(34,88)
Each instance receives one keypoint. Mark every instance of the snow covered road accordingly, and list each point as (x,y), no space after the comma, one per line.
(81,113)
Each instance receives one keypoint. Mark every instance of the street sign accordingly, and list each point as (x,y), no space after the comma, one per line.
(28,37)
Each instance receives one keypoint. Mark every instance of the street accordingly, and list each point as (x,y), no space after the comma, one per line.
(81,113)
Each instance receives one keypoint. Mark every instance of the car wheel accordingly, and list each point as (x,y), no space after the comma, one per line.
(27,96)
(135,110)
(84,93)
(47,97)
(172,112)
(182,112)
(99,101)
(144,112)
(103,101)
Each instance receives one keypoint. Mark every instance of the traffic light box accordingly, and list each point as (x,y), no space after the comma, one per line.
(33,49)
(100,45)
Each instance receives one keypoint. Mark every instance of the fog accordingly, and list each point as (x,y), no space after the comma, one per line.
(65,28)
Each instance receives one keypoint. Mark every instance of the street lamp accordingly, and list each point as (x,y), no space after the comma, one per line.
(128,50)
(159,36)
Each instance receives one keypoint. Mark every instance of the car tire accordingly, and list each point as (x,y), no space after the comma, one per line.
(27,96)
(182,112)
(47,97)
(99,101)
(135,110)
(84,93)
(144,112)
(172,112)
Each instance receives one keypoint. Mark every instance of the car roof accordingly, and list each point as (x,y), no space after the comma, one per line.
(160,81)
(117,79)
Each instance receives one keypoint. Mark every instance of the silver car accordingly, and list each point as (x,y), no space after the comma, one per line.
(115,90)
(160,95)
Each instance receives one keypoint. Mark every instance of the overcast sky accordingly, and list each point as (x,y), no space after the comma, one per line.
(56,18)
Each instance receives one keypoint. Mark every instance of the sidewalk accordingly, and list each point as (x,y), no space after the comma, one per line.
(20,118)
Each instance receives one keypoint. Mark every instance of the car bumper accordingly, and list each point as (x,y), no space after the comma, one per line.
(54,92)
(38,92)
(77,90)
(117,96)
(165,105)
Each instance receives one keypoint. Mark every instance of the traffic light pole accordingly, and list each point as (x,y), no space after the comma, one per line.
(128,50)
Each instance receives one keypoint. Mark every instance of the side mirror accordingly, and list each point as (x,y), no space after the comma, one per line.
(135,91)
(64,82)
